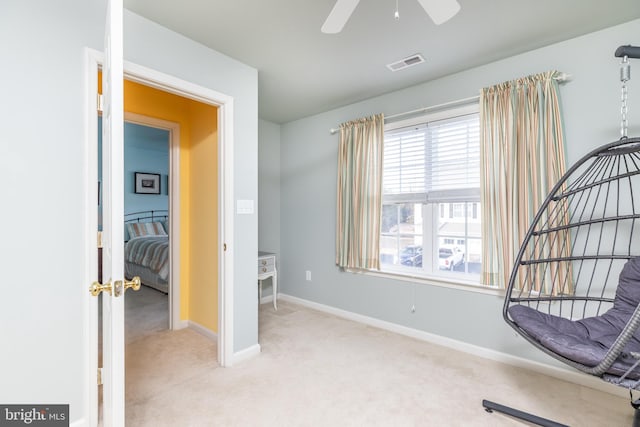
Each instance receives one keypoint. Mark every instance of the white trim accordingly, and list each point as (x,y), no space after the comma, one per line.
(171,84)
(448,282)
(90,177)
(174,228)
(202,330)
(519,362)
(470,106)
(180,324)
(246,354)
(174,206)
(225,232)
(149,77)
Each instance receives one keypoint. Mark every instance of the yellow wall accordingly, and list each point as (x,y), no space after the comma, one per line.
(204,217)
(198,195)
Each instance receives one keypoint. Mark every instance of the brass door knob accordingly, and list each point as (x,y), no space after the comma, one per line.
(118,288)
(122,286)
(97,287)
(133,284)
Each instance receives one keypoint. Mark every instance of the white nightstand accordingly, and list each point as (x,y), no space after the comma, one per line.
(267,268)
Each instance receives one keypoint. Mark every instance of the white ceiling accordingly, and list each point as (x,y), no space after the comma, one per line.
(303,71)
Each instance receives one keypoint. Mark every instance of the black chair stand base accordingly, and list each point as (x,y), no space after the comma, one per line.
(636,413)
(525,416)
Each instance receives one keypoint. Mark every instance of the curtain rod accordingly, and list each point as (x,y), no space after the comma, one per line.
(561,78)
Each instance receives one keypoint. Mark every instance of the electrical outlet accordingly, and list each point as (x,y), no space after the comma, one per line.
(308,275)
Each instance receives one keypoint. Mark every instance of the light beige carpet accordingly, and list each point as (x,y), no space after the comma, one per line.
(146,313)
(319,370)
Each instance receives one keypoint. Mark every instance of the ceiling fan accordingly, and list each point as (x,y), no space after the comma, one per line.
(440,11)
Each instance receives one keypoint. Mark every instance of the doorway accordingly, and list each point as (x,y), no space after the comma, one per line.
(146,161)
(223,204)
(166,209)
(193,236)
(147,143)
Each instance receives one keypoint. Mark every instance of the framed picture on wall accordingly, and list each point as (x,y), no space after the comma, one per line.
(147,183)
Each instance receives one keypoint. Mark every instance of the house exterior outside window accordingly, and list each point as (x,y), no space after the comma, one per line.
(431,196)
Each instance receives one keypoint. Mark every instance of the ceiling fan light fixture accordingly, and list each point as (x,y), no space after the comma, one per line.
(440,11)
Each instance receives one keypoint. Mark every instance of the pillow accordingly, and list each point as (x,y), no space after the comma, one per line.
(138,229)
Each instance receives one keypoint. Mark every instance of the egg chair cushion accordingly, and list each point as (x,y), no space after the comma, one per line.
(587,341)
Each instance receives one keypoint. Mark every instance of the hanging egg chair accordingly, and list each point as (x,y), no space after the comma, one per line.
(574,291)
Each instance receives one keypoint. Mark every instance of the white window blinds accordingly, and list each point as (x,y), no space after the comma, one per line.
(437,161)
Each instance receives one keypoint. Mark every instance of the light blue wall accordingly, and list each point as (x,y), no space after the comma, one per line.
(146,149)
(153,46)
(269,186)
(42,175)
(43,183)
(269,192)
(308,156)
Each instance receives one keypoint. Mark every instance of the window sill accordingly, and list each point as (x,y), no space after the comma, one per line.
(444,282)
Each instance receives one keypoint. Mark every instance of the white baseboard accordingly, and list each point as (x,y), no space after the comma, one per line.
(180,324)
(239,356)
(202,330)
(246,354)
(552,371)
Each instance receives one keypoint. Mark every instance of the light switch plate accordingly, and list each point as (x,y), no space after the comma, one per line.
(244,207)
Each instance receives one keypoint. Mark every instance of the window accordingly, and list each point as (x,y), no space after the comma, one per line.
(431,196)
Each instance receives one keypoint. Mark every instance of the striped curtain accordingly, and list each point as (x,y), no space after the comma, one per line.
(359,191)
(522,156)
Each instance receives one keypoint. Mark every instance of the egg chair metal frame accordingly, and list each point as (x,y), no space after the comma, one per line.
(574,290)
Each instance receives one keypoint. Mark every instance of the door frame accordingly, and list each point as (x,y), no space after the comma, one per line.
(174,209)
(225,103)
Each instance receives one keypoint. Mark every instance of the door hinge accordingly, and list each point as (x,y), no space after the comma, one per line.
(99,102)
(99,376)
(224,247)
(99,239)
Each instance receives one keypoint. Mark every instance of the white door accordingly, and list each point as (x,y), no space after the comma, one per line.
(113,217)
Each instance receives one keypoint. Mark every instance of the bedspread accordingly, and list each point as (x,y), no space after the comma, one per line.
(151,252)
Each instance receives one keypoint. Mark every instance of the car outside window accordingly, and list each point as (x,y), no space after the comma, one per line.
(431,196)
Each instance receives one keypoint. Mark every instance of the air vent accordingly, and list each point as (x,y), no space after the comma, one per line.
(406,62)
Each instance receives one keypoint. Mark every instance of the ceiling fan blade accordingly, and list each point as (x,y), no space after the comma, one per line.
(440,11)
(339,16)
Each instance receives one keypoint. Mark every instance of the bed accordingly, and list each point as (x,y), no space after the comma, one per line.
(146,249)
